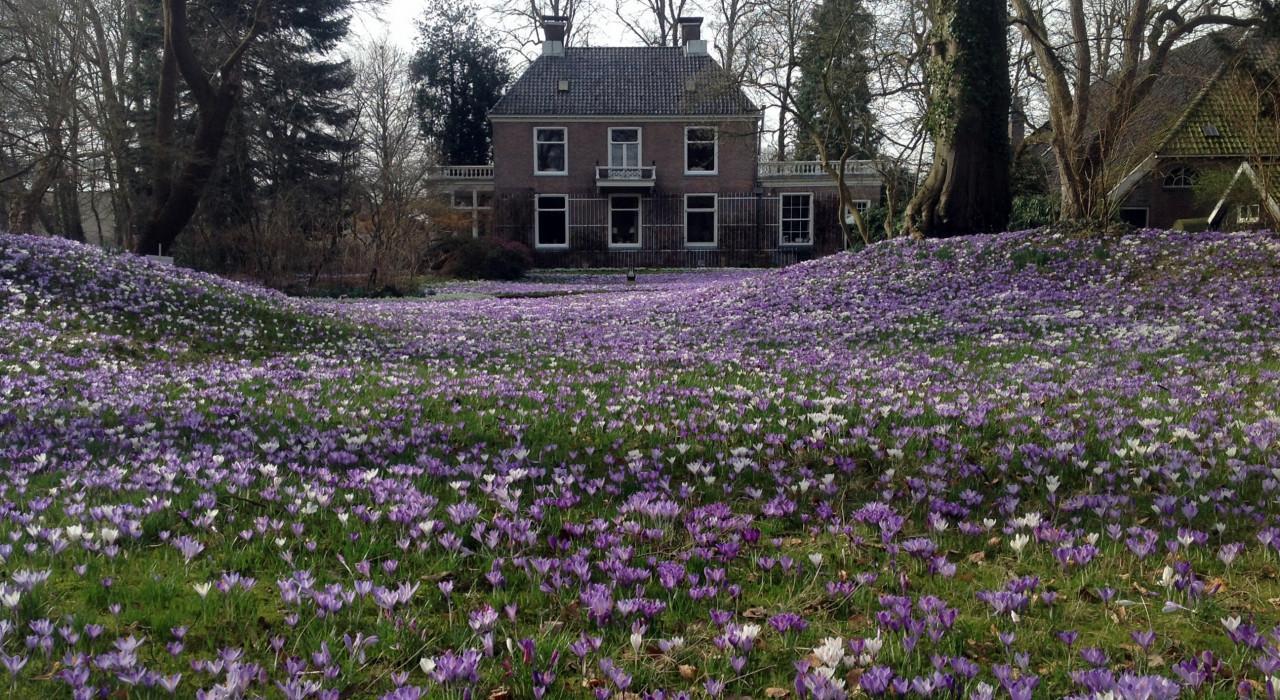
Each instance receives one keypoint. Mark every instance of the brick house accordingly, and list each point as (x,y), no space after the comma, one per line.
(1211,110)
(643,156)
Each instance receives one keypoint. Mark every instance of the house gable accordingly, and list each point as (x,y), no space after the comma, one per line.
(1235,113)
(1221,79)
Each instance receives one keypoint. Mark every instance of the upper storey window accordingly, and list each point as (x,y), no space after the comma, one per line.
(550,151)
(1180,177)
(700,150)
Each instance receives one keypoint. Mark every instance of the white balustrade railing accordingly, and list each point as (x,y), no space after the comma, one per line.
(811,168)
(462,172)
(767,169)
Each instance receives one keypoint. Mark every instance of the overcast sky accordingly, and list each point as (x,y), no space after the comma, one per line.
(398,19)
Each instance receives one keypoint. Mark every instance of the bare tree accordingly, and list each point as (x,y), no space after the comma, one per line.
(393,159)
(653,22)
(524,19)
(112,59)
(737,26)
(44,45)
(782,27)
(1099,61)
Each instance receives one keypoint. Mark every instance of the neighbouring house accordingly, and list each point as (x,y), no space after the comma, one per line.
(1249,199)
(1213,109)
(645,157)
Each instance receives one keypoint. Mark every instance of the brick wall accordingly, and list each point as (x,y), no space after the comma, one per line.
(1167,205)
(662,145)
(747,231)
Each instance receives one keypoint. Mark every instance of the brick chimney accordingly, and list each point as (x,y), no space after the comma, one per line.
(691,36)
(553,33)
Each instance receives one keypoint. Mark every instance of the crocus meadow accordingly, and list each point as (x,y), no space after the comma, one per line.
(1016,466)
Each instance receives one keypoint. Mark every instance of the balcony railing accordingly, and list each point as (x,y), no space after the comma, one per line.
(645,175)
(812,168)
(462,172)
(626,176)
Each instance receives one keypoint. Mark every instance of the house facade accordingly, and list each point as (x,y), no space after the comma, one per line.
(1212,109)
(646,157)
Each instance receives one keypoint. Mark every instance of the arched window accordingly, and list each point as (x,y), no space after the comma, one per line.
(1180,177)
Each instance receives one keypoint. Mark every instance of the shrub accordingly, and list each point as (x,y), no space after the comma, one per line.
(1032,211)
(480,258)
(1191,225)
(1032,255)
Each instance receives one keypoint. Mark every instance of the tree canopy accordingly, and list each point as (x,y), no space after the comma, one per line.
(460,71)
(833,96)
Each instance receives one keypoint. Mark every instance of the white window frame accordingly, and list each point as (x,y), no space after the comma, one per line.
(537,222)
(1248,213)
(782,210)
(715,145)
(453,200)
(472,205)
(639,210)
(1180,177)
(862,205)
(715,220)
(564,131)
(639,146)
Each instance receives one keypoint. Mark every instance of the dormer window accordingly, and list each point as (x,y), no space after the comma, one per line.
(550,148)
(1180,177)
(700,150)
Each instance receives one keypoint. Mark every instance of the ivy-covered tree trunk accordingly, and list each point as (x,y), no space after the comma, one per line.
(967,188)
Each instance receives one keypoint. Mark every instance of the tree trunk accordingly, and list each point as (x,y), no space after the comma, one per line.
(967,188)
(183,190)
(177,191)
(26,208)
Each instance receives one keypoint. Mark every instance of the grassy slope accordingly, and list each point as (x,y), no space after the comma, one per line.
(136,313)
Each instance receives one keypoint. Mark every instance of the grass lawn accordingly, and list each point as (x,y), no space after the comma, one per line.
(1000,466)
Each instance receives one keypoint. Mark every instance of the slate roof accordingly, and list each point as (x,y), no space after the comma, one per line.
(625,81)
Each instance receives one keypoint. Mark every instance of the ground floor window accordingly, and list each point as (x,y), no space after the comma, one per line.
(797,219)
(1248,213)
(551,221)
(624,220)
(700,219)
(472,199)
(861,205)
(1134,216)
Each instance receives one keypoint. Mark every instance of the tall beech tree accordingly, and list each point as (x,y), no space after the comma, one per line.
(967,188)
(181,173)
